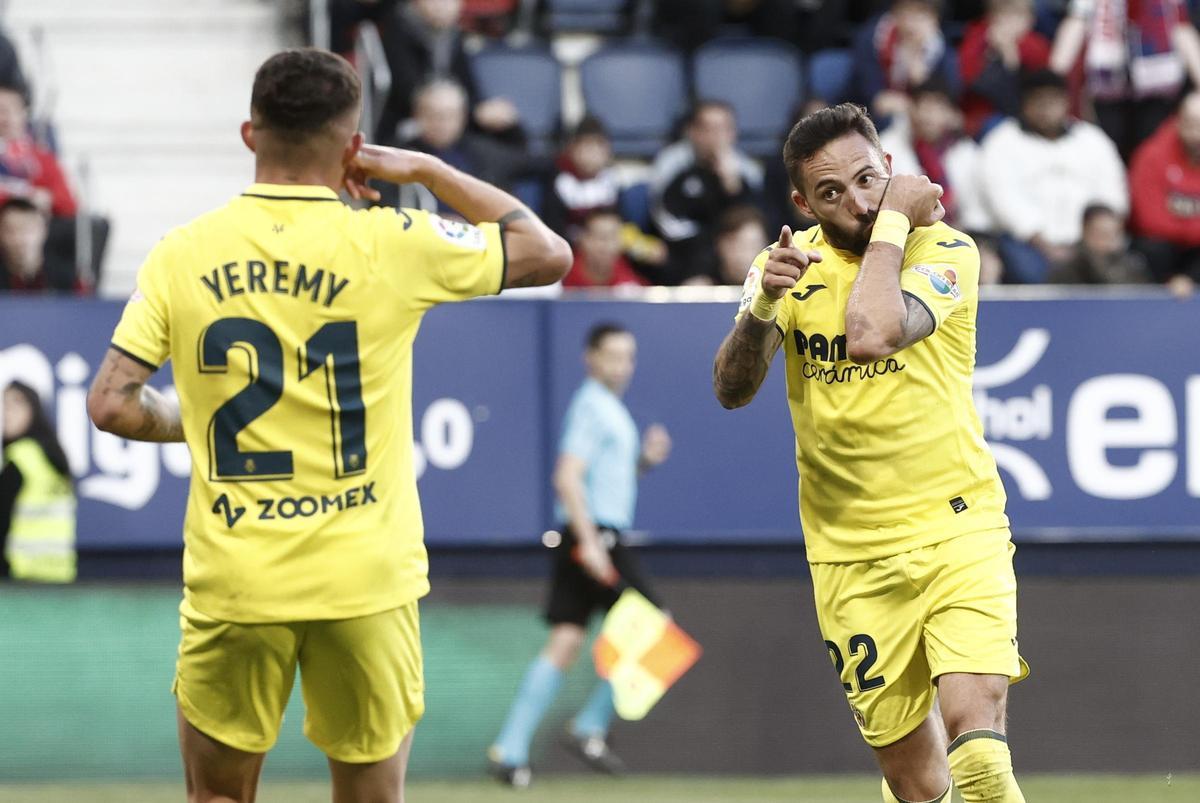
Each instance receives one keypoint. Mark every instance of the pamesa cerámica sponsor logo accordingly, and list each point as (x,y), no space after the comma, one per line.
(1134,413)
(127,473)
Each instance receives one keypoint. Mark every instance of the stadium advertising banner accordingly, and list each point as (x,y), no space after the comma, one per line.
(1091,406)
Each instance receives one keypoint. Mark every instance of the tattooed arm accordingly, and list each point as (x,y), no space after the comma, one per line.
(744,356)
(120,402)
(743,359)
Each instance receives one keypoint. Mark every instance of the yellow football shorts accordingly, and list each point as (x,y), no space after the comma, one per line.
(893,626)
(362,680)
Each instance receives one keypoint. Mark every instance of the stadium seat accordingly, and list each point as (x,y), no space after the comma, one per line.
(829,74)
(634,203)
(762,79)
(532,79)
(638,90)
(592,16)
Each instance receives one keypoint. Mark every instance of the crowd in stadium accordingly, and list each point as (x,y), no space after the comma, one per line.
(1066,133)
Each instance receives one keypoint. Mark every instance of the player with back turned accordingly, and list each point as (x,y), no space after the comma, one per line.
(901,504)
(289,319)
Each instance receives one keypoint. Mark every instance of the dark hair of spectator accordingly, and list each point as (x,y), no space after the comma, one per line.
(1093,211)
(733,219)
(933,5)
(933,86)
(1038,80)
(596,335)
(18,203)
(601,211)
(819,129)
(297,93)
(17,89)
(40,430)
(589,127)
(701,106)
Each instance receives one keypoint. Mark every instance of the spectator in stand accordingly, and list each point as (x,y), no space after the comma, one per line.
(23,266)
(422,41)
(1040,172)
(1136,58)
(441,130)
(599,261)
(690,23)
(898,51)
(694,182)
(929,142)
(1103,255)
(1165,182)
(28,170)
(10,67)
(584,179)
(741,236)
(994,52)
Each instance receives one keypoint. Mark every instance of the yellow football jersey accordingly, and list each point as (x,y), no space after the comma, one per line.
(891,454)
(289,319)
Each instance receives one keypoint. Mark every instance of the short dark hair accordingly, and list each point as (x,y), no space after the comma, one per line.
(1093,211)
(589,126)
(704,104)
(1036,80)
(602,211)
(597,333)
(19,203)
(297,93)
(735,217)
(935,85)
(819,129)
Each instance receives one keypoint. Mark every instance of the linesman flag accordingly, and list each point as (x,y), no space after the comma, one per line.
(641,652)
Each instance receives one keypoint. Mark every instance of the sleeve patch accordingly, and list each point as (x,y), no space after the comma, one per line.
(944,281)
(456,233)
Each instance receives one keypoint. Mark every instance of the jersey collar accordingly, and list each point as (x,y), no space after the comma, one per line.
(290,192)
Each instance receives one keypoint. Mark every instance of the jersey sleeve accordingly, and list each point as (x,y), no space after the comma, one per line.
(751,286)
(440,260)
(940,270)
(143,332)
(582,432)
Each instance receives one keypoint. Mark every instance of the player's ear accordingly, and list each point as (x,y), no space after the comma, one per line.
(353,147)
(887,160)
(248,135)
(802,204)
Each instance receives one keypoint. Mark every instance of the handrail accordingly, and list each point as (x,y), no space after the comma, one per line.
(84,247)
(376,75)
(318,24)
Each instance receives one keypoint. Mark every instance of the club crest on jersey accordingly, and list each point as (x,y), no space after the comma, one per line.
(944,283)
(463,234)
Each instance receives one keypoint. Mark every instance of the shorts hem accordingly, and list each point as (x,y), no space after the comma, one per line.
(357,756)
(897,733)
(983,669)
(212,729)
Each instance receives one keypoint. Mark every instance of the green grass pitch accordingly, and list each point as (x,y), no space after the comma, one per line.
(644,789)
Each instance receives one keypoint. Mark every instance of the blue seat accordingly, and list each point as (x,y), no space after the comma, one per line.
(762,79)
(532,79)
(594,16)
(634,204)
(829,74)
(639,91)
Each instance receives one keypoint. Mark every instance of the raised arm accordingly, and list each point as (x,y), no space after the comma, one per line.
(122,403)
(880,320)
(745,355)
(535,254)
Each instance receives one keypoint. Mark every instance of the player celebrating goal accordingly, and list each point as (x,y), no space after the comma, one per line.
(901,503)
(290,319)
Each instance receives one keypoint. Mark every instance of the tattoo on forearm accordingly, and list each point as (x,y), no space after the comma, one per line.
(160,418)
(743,360)
(512,216)
(146,414)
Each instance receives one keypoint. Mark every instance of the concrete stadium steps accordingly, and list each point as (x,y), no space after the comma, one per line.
(150,93)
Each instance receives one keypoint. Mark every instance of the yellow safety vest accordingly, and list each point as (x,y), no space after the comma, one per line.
(41,540)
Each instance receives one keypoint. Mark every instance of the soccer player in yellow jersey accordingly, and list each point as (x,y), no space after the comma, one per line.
(289,319)
(901,503)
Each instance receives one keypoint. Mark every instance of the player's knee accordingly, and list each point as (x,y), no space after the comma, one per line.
(566,642)
(981,703)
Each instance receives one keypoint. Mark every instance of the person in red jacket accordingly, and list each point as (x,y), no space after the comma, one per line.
(1164,181)
(27,170)
(995,50)
(598,258)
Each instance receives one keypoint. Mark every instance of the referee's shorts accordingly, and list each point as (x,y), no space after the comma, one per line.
(575,594)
